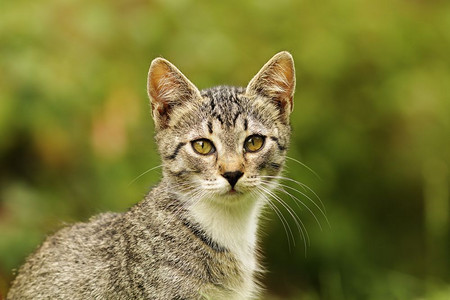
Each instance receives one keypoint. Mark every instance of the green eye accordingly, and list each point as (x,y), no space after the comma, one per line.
(253,143)
(203,146)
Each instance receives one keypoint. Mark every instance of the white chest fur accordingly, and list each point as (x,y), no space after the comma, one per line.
(233,226)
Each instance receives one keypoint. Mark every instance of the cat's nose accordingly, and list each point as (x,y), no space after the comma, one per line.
(232,177)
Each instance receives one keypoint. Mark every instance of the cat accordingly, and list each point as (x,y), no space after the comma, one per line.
(194,235)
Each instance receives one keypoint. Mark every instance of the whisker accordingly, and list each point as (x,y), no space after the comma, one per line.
(196,194)
(304,165)
(284,222)
(298,200)
(300,184)
(190,191)
(151,169)
(293,214)
(298,218)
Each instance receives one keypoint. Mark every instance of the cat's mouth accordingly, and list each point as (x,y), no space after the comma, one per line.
(232,191)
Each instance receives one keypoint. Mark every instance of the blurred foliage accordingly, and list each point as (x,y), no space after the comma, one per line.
(372,118)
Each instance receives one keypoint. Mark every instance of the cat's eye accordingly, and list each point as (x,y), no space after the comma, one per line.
(253,143)
(203,146)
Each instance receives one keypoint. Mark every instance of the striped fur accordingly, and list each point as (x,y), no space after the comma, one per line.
(194,234)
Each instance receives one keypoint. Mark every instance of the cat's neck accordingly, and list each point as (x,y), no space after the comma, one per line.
(232,226)
(230,230)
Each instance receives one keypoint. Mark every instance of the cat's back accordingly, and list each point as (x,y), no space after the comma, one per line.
(152,251)
(75,256)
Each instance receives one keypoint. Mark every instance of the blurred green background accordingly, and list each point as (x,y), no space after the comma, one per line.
(371,117)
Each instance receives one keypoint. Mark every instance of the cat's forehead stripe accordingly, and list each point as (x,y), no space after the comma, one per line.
(224,103)
(210,127)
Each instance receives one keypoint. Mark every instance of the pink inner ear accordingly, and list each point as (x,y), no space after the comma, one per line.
(276,80)
(286,77)
(167,88)
(161,81)
(281,78)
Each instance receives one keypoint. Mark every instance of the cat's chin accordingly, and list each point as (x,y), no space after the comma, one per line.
(232,196)
(233,192)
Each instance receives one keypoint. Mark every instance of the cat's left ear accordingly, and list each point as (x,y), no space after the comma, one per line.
(276,81)
(167,89)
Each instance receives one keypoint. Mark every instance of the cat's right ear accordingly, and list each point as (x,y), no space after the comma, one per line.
(276,81)
(167,88)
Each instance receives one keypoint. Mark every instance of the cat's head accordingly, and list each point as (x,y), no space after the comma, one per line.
(222,142)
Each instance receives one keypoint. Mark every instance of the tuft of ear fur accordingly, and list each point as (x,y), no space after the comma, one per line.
(276,81)
(167,88)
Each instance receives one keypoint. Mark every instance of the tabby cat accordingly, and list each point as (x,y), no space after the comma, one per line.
(194,235)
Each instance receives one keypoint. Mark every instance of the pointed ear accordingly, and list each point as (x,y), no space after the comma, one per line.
(168,88)
(276,81)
